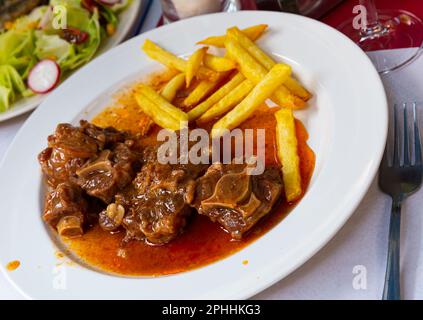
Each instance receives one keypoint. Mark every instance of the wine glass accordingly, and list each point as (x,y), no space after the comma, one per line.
(385,29)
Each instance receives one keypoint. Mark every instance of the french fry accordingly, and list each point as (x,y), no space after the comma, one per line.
(159,116)
(215,97)
(287,144)
(162,103)
(296,88)
(194,64)
(262,91)
(254,71)
(219,64)
(293,85)
(171,61)
(202,90)
(248,66)
(199,92)
(171,88)
(228,102)
(284,98)
(253,33)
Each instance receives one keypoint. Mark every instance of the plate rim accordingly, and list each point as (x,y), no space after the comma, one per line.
(353,201)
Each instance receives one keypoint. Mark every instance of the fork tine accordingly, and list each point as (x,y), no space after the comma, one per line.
(417,144)
(396,153)
(406,150)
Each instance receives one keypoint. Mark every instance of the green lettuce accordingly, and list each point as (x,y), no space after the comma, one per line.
(80,19)
(16,49)
(52,46)
(16,59)
(4,98)
(11,85)
(109,15)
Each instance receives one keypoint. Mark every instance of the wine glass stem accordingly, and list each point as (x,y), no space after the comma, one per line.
(372,26)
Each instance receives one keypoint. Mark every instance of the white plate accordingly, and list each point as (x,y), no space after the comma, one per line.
(347,122)
(127,21)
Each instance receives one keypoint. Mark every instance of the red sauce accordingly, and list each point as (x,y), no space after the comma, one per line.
(203,241)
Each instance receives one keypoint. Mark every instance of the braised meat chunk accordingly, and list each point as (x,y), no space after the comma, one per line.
(105,138)
(111,218)
(103,176)
(229,195)
(84,162)
(65,209)
(101,161)
(69,148)
(133,191)
(160,199)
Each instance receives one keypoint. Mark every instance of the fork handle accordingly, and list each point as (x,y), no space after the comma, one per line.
(391,291)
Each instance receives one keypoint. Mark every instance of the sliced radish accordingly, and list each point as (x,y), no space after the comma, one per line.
(44,76)
(109,2)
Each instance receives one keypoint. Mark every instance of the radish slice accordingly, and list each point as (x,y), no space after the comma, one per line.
(44,76)
(109,2)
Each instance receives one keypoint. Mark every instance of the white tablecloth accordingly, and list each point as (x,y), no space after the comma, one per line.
(359,247)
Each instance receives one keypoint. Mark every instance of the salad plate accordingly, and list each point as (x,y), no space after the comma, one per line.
(347,124)
(128,21)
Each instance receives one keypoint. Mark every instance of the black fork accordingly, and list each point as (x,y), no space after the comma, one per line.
(400,175)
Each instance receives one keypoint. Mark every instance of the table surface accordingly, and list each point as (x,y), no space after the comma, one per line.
(352,264)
